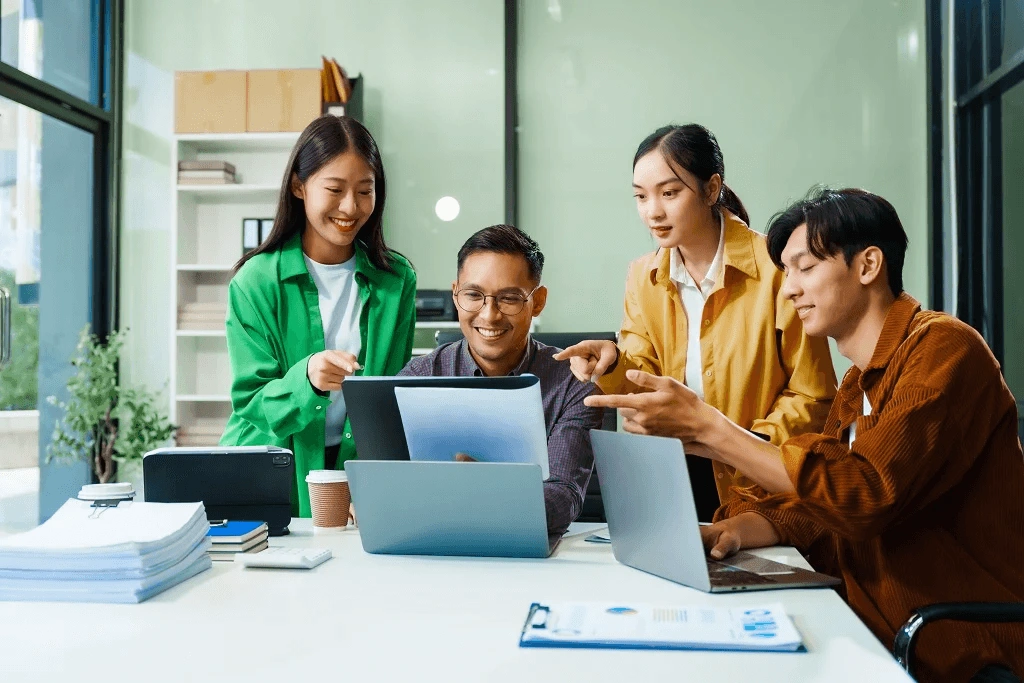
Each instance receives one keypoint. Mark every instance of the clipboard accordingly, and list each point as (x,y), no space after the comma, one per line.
(756,628)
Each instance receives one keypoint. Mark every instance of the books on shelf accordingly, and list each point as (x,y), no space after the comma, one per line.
(206,165)
(206,172)
(202,316)
(125,552)
(232,537)
(204,431)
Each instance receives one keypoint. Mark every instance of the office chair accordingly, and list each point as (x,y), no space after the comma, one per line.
(986,612)
(593,507)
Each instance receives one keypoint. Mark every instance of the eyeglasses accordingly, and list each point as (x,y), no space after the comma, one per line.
(509,303)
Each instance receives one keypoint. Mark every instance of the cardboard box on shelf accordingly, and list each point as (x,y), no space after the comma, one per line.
(282,100)
(209,101)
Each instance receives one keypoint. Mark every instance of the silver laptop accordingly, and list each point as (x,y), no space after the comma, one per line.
(475,509)
(652,520)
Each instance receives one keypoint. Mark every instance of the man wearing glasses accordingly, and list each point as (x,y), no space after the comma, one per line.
(497,294)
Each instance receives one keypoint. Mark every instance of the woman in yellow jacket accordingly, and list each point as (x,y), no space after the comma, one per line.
(706,309)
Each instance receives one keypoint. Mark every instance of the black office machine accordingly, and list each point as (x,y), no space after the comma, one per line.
(435,304)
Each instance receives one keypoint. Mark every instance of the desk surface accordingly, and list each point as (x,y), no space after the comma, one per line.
(362,617)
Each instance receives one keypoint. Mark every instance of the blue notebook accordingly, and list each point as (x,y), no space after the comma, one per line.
(235,531)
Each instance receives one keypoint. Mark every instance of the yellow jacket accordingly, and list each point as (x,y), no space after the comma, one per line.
(760,369)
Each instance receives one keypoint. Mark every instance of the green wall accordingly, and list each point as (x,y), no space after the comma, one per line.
(797,91)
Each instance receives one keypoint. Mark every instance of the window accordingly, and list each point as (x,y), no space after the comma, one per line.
(981,74)
(59,139)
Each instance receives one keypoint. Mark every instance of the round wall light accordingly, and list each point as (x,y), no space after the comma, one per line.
(447,208)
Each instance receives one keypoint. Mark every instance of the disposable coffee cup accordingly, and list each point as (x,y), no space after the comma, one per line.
(329,498)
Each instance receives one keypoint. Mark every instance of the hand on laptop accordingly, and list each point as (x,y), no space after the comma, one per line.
(588,360)
(326,370)
(745,530)
(462,457)
(668,408)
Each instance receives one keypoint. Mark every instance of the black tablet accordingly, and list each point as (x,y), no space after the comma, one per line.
(233,482)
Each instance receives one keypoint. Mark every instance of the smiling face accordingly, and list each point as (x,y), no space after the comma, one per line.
(497,339)
(338,199)
(669,199)
(828,294)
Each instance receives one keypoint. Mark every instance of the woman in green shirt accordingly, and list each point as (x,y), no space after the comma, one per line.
(321,299)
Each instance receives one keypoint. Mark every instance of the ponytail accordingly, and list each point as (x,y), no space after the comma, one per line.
(730,201)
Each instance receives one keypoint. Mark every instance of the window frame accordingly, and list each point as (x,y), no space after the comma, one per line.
(104,122)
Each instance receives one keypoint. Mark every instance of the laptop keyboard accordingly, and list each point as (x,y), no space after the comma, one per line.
(727,575)
(758,565)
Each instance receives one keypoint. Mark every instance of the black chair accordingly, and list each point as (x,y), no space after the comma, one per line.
(987,612)
(593,507)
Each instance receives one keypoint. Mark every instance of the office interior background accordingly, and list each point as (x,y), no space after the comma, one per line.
(524,111)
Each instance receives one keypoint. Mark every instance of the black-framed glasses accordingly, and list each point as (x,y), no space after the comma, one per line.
(509,303)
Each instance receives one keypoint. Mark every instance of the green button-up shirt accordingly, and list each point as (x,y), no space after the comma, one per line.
(274,326)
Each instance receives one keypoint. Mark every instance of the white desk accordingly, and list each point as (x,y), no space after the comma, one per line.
(362,617)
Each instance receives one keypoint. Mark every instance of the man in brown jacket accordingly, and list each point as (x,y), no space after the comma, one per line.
(914,491)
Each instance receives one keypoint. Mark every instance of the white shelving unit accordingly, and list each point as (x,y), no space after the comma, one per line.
(206,241)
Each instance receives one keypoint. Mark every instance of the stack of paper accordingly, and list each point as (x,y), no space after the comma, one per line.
(126,553)
(233,537)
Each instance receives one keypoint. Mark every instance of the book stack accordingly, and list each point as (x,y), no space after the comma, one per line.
(203,431)
(232,537)
(105,552)
(202,316)
(206,172)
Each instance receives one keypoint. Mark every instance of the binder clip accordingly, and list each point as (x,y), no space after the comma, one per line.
(106,495)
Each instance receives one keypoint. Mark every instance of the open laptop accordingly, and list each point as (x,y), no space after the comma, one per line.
(449,508)
(376,420)
(233,482)
(652,520)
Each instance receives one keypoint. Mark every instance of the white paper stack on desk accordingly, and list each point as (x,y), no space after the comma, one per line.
(126,553)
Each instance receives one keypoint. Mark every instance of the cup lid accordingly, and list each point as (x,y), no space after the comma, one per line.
(326,476)
(112,491)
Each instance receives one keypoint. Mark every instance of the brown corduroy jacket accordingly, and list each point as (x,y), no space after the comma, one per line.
(927,504)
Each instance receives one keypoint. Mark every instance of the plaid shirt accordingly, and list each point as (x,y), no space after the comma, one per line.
(568,421)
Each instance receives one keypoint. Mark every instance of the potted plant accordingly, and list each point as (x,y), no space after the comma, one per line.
(102,420)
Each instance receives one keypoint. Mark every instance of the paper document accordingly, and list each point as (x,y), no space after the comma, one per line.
(489,425)
(654,627)
(126,552)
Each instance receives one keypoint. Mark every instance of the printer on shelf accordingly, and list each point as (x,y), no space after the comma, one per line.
(435,305)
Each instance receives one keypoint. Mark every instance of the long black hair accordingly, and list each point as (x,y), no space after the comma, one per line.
(694,148)
(323,140)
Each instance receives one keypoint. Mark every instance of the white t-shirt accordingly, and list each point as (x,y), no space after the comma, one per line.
(694,295)
(340,306)
(853,427)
